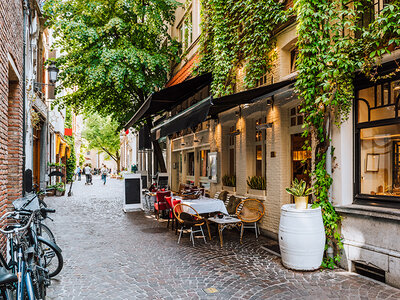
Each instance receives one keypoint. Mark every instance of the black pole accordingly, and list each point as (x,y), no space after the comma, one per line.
(25,23)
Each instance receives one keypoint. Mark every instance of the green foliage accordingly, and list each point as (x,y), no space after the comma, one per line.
(55,165)
(257,183)
(298,188)
(102,134)
(236,33)
(59,186)
(114,52)
(229,180)
(332,47)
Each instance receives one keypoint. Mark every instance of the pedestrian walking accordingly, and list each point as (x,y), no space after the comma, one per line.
(88,174)
(104,172)
(78,172)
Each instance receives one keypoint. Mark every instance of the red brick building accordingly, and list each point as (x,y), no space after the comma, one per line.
(11,100)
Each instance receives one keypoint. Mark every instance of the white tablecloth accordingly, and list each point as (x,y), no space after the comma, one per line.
(204,205)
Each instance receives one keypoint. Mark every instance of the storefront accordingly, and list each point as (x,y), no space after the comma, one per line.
(371,206)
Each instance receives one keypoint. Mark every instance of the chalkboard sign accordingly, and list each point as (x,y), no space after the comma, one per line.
(133,192)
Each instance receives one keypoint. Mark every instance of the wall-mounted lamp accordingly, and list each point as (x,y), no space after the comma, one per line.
(233,133)
(270,102)
(264,126)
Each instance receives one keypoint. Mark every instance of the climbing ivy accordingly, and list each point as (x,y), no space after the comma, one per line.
(333,47)
(236,34)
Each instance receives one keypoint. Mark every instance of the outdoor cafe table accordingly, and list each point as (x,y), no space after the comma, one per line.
(226,222)
(204,205)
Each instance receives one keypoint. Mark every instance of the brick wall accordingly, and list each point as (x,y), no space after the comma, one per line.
(11,48)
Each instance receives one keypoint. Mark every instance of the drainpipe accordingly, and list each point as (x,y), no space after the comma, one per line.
(25,24)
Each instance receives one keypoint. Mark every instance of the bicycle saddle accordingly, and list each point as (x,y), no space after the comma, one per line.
(7,277)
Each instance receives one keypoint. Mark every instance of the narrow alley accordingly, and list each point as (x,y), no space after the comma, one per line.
(109,254)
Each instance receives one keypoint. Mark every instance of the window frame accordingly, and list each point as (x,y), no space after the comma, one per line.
(360,198)
(263,144)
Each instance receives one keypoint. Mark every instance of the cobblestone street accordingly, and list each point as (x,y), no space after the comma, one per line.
(112,255)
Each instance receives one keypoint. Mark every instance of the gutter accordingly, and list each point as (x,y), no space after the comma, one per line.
(25,23)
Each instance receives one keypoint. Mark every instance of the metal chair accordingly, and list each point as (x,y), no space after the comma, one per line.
(189,219)
(250,211)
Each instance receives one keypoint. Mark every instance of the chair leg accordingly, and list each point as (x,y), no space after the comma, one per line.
(192,235)
(255,227)
(180,235)
(202,232)
(241,232)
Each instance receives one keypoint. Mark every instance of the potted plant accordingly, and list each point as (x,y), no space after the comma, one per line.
(229,182)
(257,185)
(50,190)
(300,193)
(60,189)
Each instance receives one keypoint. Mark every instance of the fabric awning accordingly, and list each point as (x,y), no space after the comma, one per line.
(169,97)
(250,96)
(190,117)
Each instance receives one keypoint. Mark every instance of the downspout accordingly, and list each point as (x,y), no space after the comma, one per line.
(25,23)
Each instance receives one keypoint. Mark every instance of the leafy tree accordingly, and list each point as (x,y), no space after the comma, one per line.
(102,134)
(114,52)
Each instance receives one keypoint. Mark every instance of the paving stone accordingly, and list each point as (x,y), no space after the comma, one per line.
(110,254)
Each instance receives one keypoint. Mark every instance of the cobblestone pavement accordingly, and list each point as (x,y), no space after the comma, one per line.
(112,255)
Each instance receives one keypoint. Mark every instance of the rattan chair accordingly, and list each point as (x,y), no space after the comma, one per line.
(250,211)
(189,219)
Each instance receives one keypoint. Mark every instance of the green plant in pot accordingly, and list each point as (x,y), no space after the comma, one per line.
(229,180)
(257,183)
(300,192)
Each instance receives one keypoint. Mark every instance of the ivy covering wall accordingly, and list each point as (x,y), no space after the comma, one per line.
(238,34)
(334,44)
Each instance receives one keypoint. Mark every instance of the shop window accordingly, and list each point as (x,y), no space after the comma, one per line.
(260,147)
(232,164)
(203,162)
(293,58)
(296,117)
(186,31)
(378,142)
(190,170)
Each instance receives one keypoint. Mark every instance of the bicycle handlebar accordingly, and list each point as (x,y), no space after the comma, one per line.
(16,229)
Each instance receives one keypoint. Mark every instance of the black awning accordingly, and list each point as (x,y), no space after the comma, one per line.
(190,117)
(250,96)
(169,97)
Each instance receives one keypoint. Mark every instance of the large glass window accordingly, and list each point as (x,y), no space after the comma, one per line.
(378,142)
(380,160)
(190,170)
(232,169)
(203,162)
(260,148)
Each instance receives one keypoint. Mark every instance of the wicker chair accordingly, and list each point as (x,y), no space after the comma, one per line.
(250,211)
(189,220)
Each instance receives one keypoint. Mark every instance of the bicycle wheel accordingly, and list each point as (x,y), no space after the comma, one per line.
(46,233)
(51,257)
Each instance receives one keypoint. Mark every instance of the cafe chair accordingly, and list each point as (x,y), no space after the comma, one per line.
(250,211)
(189,218)
(161,204)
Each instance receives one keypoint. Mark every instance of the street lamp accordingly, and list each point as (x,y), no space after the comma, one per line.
(53,73)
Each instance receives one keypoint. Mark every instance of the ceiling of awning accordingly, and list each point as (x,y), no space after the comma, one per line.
(190,117)
(227,102)
(168,98)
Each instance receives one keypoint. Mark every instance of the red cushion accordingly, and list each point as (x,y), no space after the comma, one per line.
(160,206)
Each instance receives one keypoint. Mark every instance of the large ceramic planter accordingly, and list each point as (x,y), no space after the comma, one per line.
(301,237)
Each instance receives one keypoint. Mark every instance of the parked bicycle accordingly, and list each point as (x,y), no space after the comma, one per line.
(33,259)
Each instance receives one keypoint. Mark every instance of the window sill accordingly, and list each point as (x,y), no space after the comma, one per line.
(370,211)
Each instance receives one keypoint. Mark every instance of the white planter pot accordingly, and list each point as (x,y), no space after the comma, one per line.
(261,193)
(301,237)
(231,189)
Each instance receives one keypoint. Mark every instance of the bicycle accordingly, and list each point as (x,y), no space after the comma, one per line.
(42,234)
